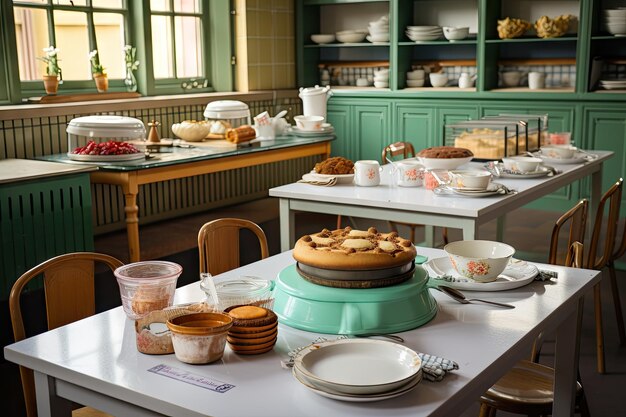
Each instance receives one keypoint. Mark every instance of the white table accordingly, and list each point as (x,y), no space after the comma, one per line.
(421,206)
(95,362)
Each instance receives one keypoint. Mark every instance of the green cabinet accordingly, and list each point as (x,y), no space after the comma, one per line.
(414,123)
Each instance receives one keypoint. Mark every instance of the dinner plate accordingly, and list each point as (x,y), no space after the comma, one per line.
(325,130)
(578,158)
(358,397)
(515,275)
(341,179)
(106,158)
(359,366)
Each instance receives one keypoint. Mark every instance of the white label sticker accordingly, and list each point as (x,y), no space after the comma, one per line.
(193,379)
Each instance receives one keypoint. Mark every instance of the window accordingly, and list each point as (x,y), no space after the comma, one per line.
(75,28)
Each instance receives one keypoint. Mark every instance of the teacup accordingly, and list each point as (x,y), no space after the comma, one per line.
(521,163)
(559,151)
(410,173)
(367,173)
(474,179)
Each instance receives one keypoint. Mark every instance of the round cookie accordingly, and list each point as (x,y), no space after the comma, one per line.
(252,317)
(349,249)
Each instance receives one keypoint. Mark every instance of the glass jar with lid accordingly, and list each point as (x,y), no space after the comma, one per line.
(112,134)
(226,114)
(487,139)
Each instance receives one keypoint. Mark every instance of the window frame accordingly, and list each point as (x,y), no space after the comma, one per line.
(216,28)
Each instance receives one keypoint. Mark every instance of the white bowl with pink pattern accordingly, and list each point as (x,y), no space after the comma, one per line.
(480,260)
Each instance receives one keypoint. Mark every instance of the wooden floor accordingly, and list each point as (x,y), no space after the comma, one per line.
(527,230)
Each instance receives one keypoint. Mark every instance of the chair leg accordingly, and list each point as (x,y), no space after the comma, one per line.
(617,304)
(597,301)
(339,221)
(444,232)
(486,411)
(412,233)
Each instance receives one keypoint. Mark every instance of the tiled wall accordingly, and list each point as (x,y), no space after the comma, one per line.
(265,31)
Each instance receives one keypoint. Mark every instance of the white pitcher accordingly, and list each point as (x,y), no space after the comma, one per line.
(314,100)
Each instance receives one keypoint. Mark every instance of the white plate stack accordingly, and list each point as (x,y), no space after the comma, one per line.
(424,33)
(358,370)
(614,21)
(381,78)
(379,30)
(613,84)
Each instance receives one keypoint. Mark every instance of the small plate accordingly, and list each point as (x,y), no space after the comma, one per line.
(493,189)
(358,397)
(578,158)
(325,130)
(515,275)
(107,158)
(341,179)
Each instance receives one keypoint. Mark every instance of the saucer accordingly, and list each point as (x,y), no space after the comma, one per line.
(578,158)
(326,129)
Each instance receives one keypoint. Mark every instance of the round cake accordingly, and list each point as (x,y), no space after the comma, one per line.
(445,152)
(351,249)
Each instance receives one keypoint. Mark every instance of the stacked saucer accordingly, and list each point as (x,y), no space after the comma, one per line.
(381,78)
(424,33)
(379,30)
(254,330)
(358,370)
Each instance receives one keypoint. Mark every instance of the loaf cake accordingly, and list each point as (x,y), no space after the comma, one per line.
(351,249)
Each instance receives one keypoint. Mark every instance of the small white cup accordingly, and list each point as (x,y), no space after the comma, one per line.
(309,123)
(536,80)
(367,173)
(410,173)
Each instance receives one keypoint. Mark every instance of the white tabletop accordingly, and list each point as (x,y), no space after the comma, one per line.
(14,170)
(95,360)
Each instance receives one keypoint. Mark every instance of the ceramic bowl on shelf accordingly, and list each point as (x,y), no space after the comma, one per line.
(381,84)
(438,79)
(511,78)
(415,83)
(323,38)
(455,33)
(351,36)
(417,74)
(480,260)
(375,38)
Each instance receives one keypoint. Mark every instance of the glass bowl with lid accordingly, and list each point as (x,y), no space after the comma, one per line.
(226,114)
(242,291)
(104,138)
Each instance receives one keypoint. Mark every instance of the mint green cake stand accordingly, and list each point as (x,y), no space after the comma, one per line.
(301,304)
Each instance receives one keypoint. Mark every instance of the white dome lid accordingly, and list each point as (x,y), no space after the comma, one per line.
(313,91)
(226,109)
(107,126)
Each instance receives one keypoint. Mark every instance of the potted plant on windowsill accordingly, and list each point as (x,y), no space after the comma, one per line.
(97,70)
(53,72)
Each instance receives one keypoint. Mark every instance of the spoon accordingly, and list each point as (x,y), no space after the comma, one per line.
(393,337)
(460,297)
(280,114)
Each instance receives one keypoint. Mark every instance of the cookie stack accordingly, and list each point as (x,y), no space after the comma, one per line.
(254,330)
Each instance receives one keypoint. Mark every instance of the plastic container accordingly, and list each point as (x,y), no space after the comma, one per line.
(487,139)
(242,291)
(199,338)
(147,286)
(232,113)
(101,129)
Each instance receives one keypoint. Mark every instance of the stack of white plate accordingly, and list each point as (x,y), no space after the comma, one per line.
(614,21)
(379,30)
(613,84)
(358,370)
(381,78)
(424,33)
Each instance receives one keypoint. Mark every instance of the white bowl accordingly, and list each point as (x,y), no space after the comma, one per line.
(473,179)
(511,78)
(480,260)
(382,72)
(362,82)
(522,163)
(381,84)
(309,123)
(415,83)
(323,38)
(616,28)
(615,13)
(415,75)
(383,78)
(455,34)
(378,30)
(443,163)
(191,131)
(384,37)
(558,151)
(438,80)
(351,37)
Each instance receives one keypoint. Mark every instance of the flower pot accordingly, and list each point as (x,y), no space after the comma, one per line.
(102,82)
(51,84)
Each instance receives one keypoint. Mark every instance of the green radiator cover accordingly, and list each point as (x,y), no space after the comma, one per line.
(41,219)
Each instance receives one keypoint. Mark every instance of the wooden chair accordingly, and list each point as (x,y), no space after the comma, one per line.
(218,243)
(603,239)
(528,387)
(70,296)
(406,150)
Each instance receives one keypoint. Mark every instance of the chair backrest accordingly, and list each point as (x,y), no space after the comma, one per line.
(218,244)
(576,219)
(70,296)
(613,197)
(398,148)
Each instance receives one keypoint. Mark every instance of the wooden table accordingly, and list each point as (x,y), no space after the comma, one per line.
(421,206)
(203,158)
(95,361)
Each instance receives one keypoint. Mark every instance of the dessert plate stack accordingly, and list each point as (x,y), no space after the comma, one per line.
(614,21)
(358,370)
(613,84)
(424,33)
